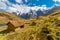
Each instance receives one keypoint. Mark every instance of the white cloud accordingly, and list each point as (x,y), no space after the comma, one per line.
(56,0)
(11,9)
(26,9)
(19,1)
(4,0)
(26,0)
(56,5)
(43,7)
(19,8)
(3,4)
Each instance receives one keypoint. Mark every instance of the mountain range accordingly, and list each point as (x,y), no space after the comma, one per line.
(47,24)
(35,14)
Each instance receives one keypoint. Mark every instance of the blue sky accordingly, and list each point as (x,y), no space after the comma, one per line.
(48,3)
(26,5)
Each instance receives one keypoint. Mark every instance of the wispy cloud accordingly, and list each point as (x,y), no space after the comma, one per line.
(56,0)
(19,8)
(26,0)
(3,4)
(19,1)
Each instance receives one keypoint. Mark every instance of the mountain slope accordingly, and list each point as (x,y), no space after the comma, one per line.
(46,28)
(6,16)
(52,10)
(43,28)
(30,14)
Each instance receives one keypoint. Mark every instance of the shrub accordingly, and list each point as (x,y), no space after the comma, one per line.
(57,23)
(33,23)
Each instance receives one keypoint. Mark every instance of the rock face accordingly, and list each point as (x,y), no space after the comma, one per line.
(36,13)
(30,14)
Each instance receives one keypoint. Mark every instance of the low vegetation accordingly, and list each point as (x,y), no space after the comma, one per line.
(42,28)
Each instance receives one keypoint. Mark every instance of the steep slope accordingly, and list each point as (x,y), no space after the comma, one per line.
(6,16)
(52,10)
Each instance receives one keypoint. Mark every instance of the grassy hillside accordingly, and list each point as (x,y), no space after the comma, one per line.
(6,16)
(42,28)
